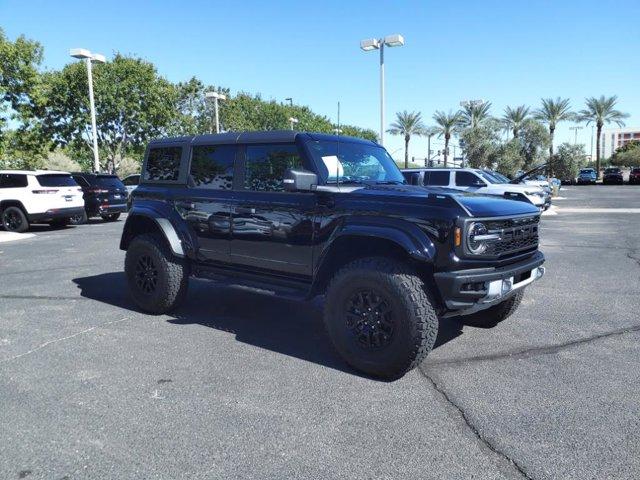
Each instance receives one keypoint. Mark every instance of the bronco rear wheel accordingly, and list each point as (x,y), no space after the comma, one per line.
(379,316)
(157,279)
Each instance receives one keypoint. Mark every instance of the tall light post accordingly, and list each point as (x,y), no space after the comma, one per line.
(293,121)
(89,57)
(290,100)
(575,137)
(216,96)
(379,44)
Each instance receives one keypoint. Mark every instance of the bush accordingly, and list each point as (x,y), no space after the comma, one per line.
(128,166)
(58,160)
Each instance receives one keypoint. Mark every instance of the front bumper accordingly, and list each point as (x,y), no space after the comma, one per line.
(55,214)
(468,291)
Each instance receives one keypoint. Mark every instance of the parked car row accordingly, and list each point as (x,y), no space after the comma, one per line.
(59,198)
(611,176)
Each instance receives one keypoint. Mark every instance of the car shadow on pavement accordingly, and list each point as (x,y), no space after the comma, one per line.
(289,327)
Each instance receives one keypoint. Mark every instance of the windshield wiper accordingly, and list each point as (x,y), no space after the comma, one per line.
(390,182)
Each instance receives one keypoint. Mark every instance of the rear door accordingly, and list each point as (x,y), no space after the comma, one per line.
(112,190)
(59,190)
(205,204)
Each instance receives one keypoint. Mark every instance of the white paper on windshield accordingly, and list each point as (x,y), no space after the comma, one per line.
(333,166)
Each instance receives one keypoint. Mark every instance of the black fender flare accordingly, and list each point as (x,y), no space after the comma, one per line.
(164,225)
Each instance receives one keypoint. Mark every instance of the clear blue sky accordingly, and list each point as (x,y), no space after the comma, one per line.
(507,52)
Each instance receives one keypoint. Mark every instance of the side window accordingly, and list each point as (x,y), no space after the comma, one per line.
(437,178)
(131,180)
(265,166)
(212,166)
(12,180)
(468,179)
(412,178)
(163,164)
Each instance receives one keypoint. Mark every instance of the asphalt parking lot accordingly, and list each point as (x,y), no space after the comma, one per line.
(239,385)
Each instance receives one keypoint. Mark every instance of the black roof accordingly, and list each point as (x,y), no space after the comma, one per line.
(270,136)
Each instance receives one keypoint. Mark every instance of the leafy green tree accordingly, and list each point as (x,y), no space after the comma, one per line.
(407,124)
(447,125)
(534,139)
(194,114)
(513,118)
(133,104)
(628,155)
(553,112)
(601,111)
(568,160)
(472,116)
(480,144)
(507,158)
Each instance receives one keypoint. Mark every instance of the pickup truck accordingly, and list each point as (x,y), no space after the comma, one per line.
(302,215)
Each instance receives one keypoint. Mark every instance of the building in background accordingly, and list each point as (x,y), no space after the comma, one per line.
(615,138)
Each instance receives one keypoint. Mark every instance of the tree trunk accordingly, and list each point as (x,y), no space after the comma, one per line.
(599,133)
(446,148)
(406,151)
(551,130)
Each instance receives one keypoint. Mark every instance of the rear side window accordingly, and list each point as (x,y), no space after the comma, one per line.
(81,181)
(212,166)
(437,178)
(12,180)
(56,180)
(467,179)
(265,166)
(131,180)
(163,164)
(412,178)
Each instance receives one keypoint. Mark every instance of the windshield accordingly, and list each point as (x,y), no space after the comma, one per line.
(491,177)
(56,180)
(111,181)
(586,172)
(612,170)
(355,163)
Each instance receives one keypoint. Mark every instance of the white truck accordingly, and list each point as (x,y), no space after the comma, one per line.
(38,196)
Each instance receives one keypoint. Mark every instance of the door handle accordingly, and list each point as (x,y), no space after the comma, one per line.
(186,205)
(250,210)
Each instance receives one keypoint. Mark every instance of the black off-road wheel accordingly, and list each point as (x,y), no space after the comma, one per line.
(14,220)
(380,317)
(111,217)
(492,316)
(157,279)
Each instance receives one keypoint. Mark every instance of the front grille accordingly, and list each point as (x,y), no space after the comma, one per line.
(516,234)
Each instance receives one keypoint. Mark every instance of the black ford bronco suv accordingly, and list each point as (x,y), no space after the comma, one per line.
(304,214)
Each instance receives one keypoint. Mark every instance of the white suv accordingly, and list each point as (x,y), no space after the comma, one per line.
(477,181)
(40,196)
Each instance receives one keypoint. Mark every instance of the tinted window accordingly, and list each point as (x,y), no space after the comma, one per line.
(437,178)
(163,164)
(80,181)
(467,179)
(412,178)
(110,181)
(212,166)
(265,166)
(131,180)
(56,180)
(12,180)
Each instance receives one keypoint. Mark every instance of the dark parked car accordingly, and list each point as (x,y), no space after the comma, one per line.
(587,176)
(104,196)
(634,176)
(612,175)
(303,214)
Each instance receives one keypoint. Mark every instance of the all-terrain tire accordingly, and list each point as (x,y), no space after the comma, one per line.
(395,288)
(79,219)
(157,279)
(492,316)
(14,220)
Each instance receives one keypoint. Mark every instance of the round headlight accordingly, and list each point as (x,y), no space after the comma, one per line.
(476,247)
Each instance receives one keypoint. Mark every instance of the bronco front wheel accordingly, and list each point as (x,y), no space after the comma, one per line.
(380,317)
(157,279)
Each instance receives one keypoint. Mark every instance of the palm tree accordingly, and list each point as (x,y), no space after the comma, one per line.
(473,114)
(552,113)
(447,123)
(601,111)
(513,118)
(429,132)
(407,124)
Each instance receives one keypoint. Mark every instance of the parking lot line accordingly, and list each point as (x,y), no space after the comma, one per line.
(598,210)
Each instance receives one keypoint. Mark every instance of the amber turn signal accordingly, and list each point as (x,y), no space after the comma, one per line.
(457,237)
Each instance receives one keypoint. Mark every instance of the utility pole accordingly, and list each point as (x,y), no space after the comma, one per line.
(575,137)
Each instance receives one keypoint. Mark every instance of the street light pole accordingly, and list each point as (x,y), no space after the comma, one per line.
(89,57)
(575,137)
(379,44)
(216,96)
(290,100)
(293,121)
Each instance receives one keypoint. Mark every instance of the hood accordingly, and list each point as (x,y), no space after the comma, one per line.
(477,205)
(519,178)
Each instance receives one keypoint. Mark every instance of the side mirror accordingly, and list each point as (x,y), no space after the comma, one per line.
(299,180)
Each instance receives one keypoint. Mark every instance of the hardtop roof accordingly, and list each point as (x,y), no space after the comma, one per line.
(271,136)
